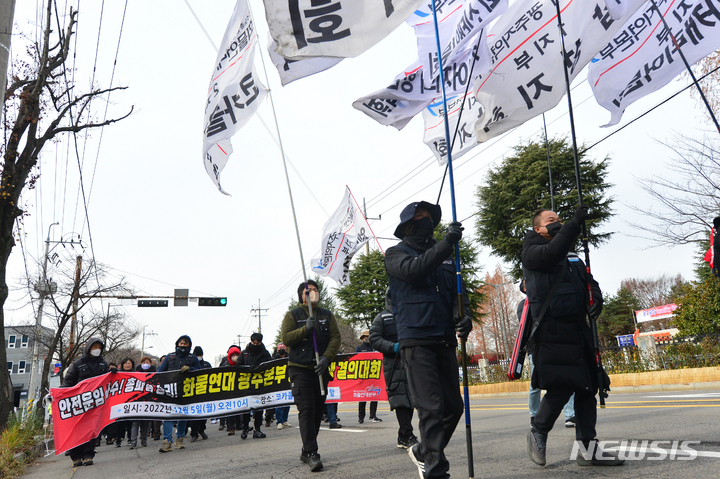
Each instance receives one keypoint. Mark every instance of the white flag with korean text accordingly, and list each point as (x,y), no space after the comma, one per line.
(459,22)
(466,116)
(343,235)
(527,77)
(291,70)
(641,58)
(618,8)
(235,91)
(333,28)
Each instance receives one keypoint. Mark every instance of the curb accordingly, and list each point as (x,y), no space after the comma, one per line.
(35,452)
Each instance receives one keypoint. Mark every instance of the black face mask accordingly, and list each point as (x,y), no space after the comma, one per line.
(553,228)
(182,351)
(424,226)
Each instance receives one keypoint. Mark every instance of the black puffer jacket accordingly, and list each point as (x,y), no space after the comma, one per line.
(86,367)
(383,336)
(561,343)
(254,355)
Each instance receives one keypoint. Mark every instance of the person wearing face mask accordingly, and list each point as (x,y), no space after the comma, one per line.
(197,428)
(561,345)
(141,427)
(305,372)
(181,360)
(254,354)
(366,348)
(424,297)
(90,365)
(282,412)
(233,358)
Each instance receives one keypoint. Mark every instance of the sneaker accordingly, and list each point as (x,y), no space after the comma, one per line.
(133,446)
(334,425)
(258,434)
(143,443)
(244,434)
(231,432)
(89,462)
(325,418)
(406,442)
(118,444)
(536,447)
(280,426)
(286,424)
(570,422)
(375,419)
(77,462)
(361,420)
(304,457)
(600,458)
(418,459)
(203,435)
(166,446)
(314,463)
(193,438)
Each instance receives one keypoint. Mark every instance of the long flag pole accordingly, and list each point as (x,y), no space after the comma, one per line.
(297,230)
(468,429)
(583,227)
(687,66)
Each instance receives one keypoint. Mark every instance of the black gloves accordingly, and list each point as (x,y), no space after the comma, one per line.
(322,365)
(113,370)
(581,214)
(454,232)
(311,323)
(463,327)
(185,369)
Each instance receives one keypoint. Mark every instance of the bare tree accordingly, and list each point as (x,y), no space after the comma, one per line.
(653,292)
(708,66)
(41,103)
(499,324)
(687,201)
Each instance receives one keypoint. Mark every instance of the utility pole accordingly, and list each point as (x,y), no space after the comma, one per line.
(367,245)
(42,288)
(259,313)
(142,347)
(76,297)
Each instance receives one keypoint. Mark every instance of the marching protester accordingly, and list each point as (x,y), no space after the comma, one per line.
(143,426)
(124,427)
(254,354)
(233,358)
(197,427)
(561,344)
(366,348)
(423,289)
(181,360)
(282,412)
(109,430)
(297,331)
(90,365)
(384,338)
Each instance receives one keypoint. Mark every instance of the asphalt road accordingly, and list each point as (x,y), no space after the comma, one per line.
(499,428)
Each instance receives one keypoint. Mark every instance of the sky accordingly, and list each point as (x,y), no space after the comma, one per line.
(156,219)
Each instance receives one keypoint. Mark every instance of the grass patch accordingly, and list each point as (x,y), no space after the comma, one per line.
(18,437)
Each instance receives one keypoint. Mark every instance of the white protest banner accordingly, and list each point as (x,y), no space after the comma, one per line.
(235,91)
(465,140)
(413,90)
(291,70)
(344,234)
(618,8)
(641,58)
(333,28)
(458,23)
(527,76)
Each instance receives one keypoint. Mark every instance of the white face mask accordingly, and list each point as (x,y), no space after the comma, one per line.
(199,358)
(234,358)
(314,297)
(95,352)
(145,366)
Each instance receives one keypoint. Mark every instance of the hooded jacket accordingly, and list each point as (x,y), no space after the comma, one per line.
(86,367)
(383,336)
(254,355)
(226,361)
(175,361)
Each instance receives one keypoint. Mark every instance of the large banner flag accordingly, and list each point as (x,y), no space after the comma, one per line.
(81,412)
(333,28)
(414,90)
(527,76)
(235,91)
(661,312)
(344,234)
(291,70)
(618,8)
(459,22)
(641,57)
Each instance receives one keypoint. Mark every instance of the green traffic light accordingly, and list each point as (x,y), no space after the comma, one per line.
(223,301)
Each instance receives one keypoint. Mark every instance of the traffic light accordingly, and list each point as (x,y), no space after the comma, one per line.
(152,303)
(212,301)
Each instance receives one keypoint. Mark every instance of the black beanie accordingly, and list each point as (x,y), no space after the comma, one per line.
(198,351)
(256,336)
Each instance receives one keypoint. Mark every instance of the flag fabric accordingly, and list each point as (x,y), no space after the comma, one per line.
(527,76)
(458,23)
(414,90)
(642,58)
(344,234)
(333,28)
(618,8)
(291,70)
(235,91)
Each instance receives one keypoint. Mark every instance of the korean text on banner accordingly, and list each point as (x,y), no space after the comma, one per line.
(343,235)
(333,28)
(235,91)
(661,312)
(81,412)
(641,58)
(527,76)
